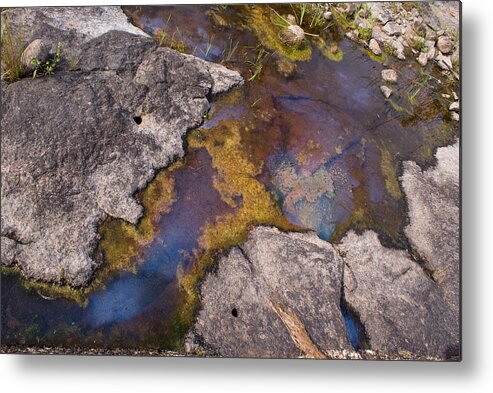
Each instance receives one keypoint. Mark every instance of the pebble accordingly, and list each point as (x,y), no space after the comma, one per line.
(422,59)
(375,47)
(35,50)
(328,15)
(392,28)
(386,91)
(445,45)
(444,62)
(389,76)
(455,116)
(454,106)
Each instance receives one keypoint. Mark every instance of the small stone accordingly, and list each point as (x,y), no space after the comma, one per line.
(445,95)
(423,59)
(292,35)
(35,50)
(399,49)
(454,94)
(392,28)
(386,91)
(389,76)
(375,47)
(379,35)
(431,34)
(454,106)
(291,19)
(353,35)
(328,15)
(445,45)
(455,116)
(444,62)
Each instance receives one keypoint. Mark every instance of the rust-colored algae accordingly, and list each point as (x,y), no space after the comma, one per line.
(238,186)
(121,241)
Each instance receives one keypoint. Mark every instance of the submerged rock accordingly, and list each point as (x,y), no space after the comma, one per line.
(386,91)
(389,76)
(78,145)
(277,295)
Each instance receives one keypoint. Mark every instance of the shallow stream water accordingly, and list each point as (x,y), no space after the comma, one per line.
(328,149)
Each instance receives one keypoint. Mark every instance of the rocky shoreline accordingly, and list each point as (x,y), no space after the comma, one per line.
(278,294)
(128,105)
(57,189)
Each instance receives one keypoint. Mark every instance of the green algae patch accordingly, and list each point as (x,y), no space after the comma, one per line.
(120,245)
(237,184)
(382,59)
(390,170)
(122,241)
(262,21)
(329,50)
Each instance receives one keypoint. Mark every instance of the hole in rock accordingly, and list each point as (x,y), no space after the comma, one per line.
(138,120)
(234,312)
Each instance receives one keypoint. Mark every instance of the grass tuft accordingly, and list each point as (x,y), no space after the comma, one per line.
(12,48)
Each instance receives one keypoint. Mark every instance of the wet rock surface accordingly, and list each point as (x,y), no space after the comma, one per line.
(277,295)
(77,145)
(407,305)
(408,308)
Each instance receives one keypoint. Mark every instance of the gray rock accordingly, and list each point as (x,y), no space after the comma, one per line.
(403,306)
(379,35)
(445,45)
(422,59)
(277,295)
(71,26)
(454,106)
(441,15)
(386,91)
(72,153)
(35,50)
(375,47)
(433,199)
(400,307)
(392,29)
(399,49)
(292,35)
(444,62)
(380,11)
(455,116)
(389,76)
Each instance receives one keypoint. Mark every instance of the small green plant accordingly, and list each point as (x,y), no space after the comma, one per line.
(164,39)
(419,44)
(258,64)
(12,49)
(50,65)
(209,46)
(73,63)
(231,50)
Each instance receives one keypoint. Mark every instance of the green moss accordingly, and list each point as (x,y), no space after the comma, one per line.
(389,169)
(236,180)
(262,22)
(382,59)
(120,244)
(122,241)
(331,51)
